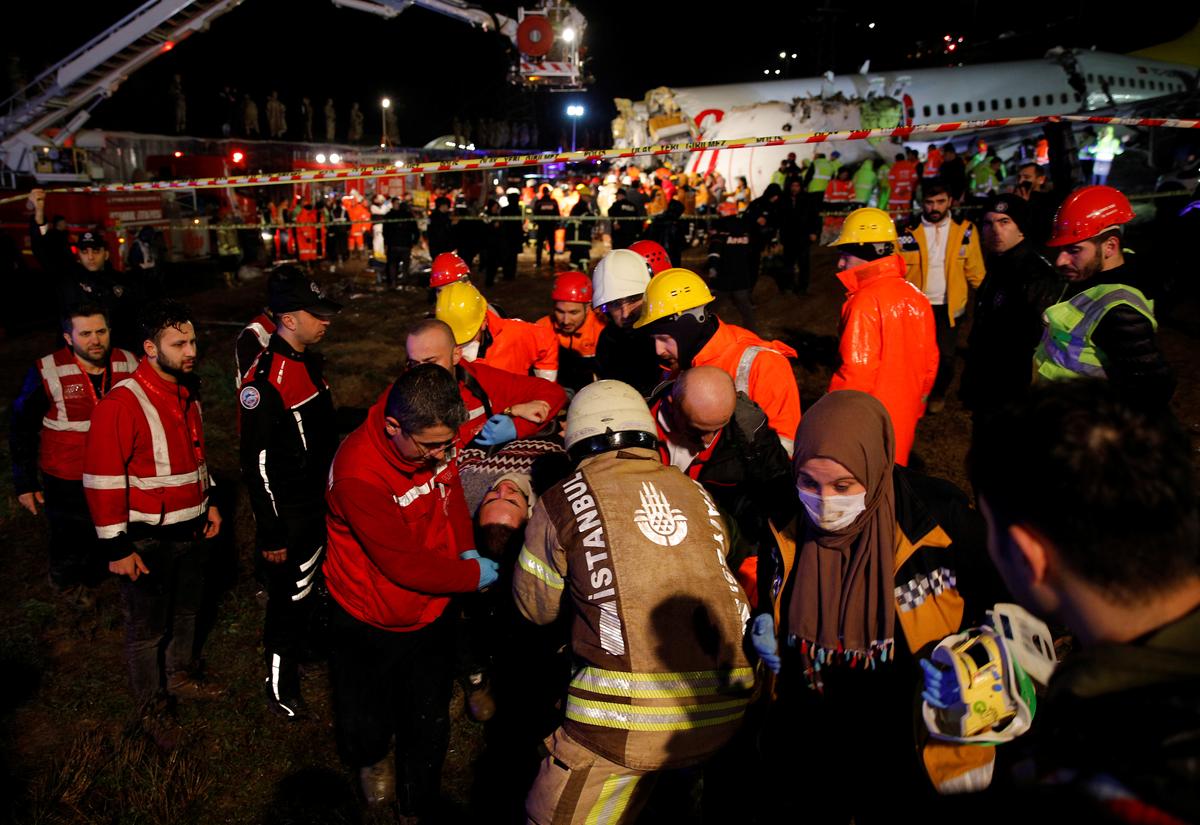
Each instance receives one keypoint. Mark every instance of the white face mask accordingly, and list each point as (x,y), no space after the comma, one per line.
(470,351)
(833,513)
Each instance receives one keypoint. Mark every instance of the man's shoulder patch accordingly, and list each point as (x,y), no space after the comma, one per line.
(250,397)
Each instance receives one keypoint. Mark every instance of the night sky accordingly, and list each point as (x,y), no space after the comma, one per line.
(436,68)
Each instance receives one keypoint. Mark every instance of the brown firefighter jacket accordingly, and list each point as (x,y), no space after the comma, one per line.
(658,619)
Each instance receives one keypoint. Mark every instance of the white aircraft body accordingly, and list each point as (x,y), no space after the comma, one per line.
(991,90)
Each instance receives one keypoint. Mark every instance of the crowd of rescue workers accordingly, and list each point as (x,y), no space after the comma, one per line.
(617,530)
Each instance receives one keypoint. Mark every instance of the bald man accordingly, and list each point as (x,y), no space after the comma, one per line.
(721,439)
(501,406)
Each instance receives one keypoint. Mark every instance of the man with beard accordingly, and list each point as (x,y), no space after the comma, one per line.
(1103,325)
(288,438)
(942,256)
(1008,308)
(618,283)
(50,420)
(577,328)
(147,486)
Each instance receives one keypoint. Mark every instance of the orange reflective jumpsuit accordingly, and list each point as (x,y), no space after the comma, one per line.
(519,346)
(888,344)
(360,216)
(760,369)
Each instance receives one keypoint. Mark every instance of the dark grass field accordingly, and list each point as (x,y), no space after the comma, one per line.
(69,752)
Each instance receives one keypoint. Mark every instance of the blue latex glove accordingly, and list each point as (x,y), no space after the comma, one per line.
(499,429)
(762,636)
(489,571)
(941,687)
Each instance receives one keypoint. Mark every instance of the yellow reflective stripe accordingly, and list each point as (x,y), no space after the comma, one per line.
(629,717)
(613,799)
(663,685)
(537,568)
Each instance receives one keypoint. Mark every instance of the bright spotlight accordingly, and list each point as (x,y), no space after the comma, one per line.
(568,35)
(335,158)
(320,157)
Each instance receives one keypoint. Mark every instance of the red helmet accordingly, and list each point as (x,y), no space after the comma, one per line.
(1087,212)
(654,254)
(448,268)
(572,286)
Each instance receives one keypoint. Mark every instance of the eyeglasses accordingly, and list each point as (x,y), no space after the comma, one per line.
(428,448)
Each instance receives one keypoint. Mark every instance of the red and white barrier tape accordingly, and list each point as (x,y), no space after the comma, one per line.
(586,155)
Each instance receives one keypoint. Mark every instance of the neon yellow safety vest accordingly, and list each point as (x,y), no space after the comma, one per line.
(1066,349)
(823,172)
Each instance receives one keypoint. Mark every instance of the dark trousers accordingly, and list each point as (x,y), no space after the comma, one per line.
(389,684)
(545,237)
(947,344)
(795,260)
(397,264)
(295,589)
(73,544)
(160,611)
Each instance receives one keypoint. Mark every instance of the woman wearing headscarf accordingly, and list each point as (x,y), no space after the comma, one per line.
(884,561)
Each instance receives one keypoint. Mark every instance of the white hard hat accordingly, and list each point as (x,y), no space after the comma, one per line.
(621,273)
(608,415)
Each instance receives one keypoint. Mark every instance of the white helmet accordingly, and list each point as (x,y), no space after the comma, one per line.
(608,415)
(621,273)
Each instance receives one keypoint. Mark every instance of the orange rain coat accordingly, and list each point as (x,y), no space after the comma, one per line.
(888,344)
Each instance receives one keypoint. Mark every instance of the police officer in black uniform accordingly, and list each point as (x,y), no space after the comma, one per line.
(288,439)
(545,208)
(626,217)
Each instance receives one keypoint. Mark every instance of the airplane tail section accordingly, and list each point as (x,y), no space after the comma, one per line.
(1184,50)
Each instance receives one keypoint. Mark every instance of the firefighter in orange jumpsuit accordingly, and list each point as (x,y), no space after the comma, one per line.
(686,334)
(577,328)
(902,180)
(838,193)
(306,236)
(505,343)
(888,339)
(360,219)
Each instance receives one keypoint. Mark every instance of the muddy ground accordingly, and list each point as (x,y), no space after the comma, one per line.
(67,751)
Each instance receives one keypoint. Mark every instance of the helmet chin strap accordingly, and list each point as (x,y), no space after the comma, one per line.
(691,330)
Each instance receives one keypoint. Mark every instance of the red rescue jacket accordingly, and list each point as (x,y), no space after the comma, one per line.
(144,460)
(502,389)
(395,531)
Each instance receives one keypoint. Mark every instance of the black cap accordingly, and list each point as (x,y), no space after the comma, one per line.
(90,240)
(1015,207)
(289,290)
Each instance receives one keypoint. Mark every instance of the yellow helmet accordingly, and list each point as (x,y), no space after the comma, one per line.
(462,307)
(867,225)
(671,292)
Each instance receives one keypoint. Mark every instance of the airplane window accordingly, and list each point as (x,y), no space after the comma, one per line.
(1021,102)
(954,108)
(926,111)
(1120,81)
(1091,78)
(1037,100)
(1141,82)
(1008,103)
(941,109)
(967,107)
(995,105)
(1063,98)
(983,105)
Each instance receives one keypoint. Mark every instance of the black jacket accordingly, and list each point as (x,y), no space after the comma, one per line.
(439,233)
(118,293)
(797,219)
(1128,346)
(749,477)
(731,254)
(1007,327)
(288,439)
(628,355)
(546,207)
(764,214)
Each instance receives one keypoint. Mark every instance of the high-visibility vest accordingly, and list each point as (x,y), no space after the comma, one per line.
(933,163)
(1066,349)
(823,172)
(839,191)
(72,400)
